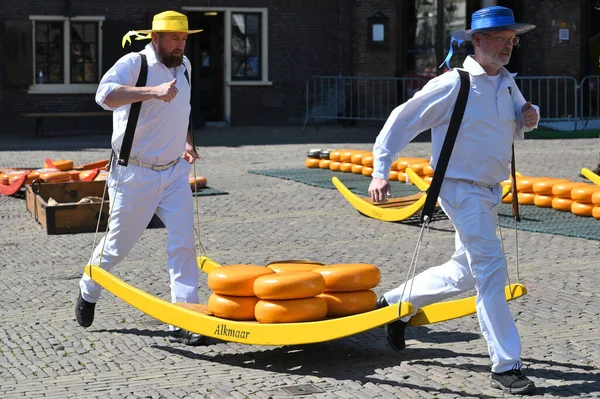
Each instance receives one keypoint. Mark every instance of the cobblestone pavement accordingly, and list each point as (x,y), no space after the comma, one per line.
(125,354)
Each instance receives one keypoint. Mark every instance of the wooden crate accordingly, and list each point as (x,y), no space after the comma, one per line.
(68,216)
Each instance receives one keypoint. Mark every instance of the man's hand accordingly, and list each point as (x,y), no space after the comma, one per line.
(379,189)
(530,117)
(190,154)
(166,91)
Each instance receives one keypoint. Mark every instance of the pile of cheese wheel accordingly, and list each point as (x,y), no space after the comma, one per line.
(284,292)
(60,171)
(580,198)
(361,162)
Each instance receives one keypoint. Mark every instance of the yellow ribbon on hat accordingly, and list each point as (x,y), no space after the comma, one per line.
(167,21)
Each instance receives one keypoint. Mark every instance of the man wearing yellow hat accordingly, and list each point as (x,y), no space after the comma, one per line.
(149,94)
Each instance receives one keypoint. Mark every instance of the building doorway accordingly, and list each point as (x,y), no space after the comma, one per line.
(206,52)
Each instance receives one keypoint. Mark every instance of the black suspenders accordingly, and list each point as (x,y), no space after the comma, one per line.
(134,114)
(442,164)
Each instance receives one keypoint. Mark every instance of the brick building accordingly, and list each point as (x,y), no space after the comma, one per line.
(251,62)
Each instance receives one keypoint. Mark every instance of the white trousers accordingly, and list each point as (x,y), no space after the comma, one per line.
(141,193)
(478,262)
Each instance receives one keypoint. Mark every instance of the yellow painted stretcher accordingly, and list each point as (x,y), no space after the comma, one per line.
(394,209)
(197,318)
(591,176)
(434,313)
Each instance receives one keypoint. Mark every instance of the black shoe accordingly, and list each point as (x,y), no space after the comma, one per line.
(381,303)
(185,337)
(84,312)
(513,381)
(395,330)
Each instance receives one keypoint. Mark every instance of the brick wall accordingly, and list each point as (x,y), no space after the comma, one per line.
(542,54)
(306,38)
(14,100)
(374,62)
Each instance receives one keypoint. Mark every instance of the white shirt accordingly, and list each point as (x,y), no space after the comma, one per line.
(162,126)
(492,120)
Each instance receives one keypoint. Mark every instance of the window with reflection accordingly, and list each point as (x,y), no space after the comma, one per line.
(49,55)
(71,45)
(430,26)
(84,50)
(245,46)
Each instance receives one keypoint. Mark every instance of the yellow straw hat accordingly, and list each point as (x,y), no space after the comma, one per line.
(167,21)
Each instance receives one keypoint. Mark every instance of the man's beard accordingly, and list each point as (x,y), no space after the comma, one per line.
(170,60)
(497,59)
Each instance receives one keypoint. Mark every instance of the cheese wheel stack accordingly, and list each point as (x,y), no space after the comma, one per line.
(281,293)
(562,200)
(596,202)
(360,161)
(543,192)
(317,158)
(526,195)
(348,288)
(233,287)
(582,199)
(290,297)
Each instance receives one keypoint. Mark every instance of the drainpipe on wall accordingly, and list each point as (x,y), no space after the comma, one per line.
(400,37)
(352,35)
(340,36)
(439,33)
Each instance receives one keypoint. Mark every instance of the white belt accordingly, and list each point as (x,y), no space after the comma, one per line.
(477,183)
(152,166)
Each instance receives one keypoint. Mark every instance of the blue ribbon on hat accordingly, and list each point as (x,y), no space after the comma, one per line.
(489,20)
(451,52)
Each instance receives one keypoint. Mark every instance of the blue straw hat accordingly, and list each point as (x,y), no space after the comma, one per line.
(492,18)
(485,20)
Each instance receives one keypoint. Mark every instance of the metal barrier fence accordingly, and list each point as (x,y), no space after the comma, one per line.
(357,98)
(590,97)
(560,98)
(555,95)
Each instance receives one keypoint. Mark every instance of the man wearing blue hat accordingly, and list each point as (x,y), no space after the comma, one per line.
(496,114)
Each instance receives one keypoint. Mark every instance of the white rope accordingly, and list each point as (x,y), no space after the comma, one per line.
(100,216)
(516,254)
(197,213)
(517,249)
(505,260)
(412,268)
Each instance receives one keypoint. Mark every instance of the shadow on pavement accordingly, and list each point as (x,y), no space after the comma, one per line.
(351,358)
(421,334)
(341,360)
(344,359)
(583,378)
